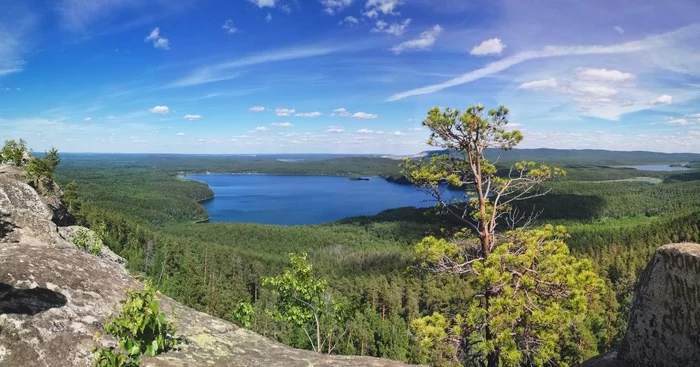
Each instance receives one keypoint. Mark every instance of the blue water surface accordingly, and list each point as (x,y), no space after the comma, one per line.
(296,200)
(658,167)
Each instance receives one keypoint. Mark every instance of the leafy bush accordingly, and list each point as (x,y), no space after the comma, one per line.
(15,152)
(140,327)
(87,241)
(243,313)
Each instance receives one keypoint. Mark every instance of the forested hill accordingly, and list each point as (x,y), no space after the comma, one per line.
(582,156)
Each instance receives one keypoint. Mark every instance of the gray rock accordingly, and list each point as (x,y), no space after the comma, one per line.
(55,297)
(664,324)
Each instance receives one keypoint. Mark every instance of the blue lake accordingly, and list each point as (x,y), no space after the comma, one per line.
(296,200)
(657,167)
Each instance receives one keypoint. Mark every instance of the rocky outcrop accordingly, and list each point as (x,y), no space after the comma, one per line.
(55,297)
(664,322)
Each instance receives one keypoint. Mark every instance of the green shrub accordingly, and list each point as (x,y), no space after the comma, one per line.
(15,152)
(87,241)
(140,328)
(243,313)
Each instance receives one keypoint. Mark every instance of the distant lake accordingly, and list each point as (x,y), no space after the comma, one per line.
(657,167)
(297,200)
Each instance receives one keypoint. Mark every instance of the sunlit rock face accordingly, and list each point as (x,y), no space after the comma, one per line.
(54,298)
(664,324)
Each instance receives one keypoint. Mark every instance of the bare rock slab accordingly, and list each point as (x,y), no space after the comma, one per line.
(664,324)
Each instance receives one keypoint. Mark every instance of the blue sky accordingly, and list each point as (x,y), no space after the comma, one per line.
(345,76)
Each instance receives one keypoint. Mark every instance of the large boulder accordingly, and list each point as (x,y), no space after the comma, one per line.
(54,298)
(664,323)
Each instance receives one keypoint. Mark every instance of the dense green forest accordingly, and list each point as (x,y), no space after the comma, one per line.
(616,217)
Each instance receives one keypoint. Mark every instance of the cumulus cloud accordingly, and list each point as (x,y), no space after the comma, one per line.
(539,84)
(373,8)
(678,122)
(284,111)
(365,131)
(340,112)
(268,17)
(264,3)
(180,134)
(396,29)
(229,27)
(158,41)
(493,46)
(160,110)
(661,100)
(364,115)
(261,129)
(88,119)
(309,114)
(192,117)
(282,124)
(424,41)
(335,129)
(607,75)
(349,20)
(333,6)
(257,108)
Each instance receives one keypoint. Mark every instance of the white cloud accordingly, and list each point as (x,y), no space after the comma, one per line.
(424,41)
(333,6)
(539,84)
(158,41)
(88,119)
(309,114)
(261,129)
(160,110)
(397,133)
(268,17)
(282,124)
(257,108)
(340,112)
(192,117)
(335,129)
(284,111)
(180,134)
(375,7)
(224,71)
(349,20)
(396,29)
(604,75)
(229,27)
(365,131)
(662,99)
(678,122)
(493,46)
(619,29)
(364,115)
(264,3)
(547,52)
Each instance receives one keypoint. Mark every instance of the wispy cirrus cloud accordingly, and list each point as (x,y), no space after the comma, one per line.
(227,70)
(16,24)
(648,43)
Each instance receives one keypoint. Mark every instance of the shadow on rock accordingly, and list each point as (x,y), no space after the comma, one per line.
(28,301)
(5,226)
